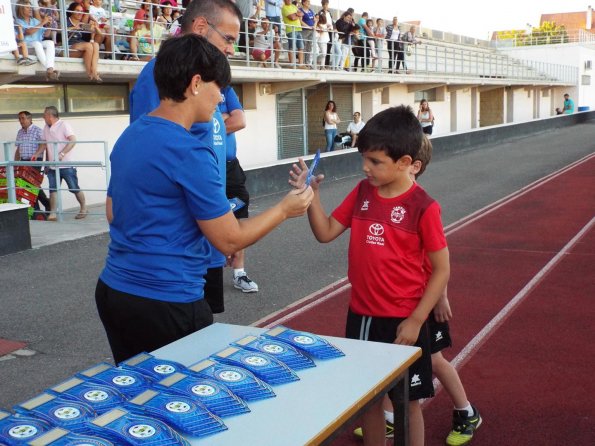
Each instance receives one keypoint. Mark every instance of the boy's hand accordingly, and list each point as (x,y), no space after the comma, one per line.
(299,174)
(442,311)
(408,332)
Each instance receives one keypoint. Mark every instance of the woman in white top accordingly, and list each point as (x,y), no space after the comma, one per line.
(262,44)
(323,38)
(331,119)
(425,117)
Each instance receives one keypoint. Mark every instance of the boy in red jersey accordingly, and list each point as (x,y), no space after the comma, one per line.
(393,223)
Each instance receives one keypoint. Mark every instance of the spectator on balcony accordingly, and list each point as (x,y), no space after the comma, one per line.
(264,40)
(380,34)
(409,42)
(33,30)
(21,54)
(328,61)
(147,40)
(250,10)
(293,28)
(166,14)
(272,10)
(171,3)
(395,46)
(100,17)
(323,38)
(49,8)
(345,27)
(359,50)
(81,40)
(309,21)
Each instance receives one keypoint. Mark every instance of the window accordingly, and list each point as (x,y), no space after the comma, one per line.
(429,95)
(67,98)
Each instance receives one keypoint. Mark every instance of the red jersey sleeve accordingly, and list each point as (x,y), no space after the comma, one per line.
(431,230)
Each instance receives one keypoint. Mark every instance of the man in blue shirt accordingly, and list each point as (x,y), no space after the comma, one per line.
(235,120)
(219,22)
(568,105)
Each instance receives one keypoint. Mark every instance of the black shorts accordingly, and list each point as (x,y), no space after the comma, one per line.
(439,334)
(428,129)
(135,324)
(384,329)
(213,290)
(235,186)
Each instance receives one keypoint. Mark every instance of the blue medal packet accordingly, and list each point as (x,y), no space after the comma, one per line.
(62,437)
(216,397)
(284,352)
(153,367)
(100,397)
(236,204)
(313,167)
(20,429)
(128,382)
(240,381)
(264,366)
(309,343)
(58,411)
(180,412)
(123,427)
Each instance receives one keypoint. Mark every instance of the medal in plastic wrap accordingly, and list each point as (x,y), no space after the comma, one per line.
(240,381)
(128,382)
(153,367)
(20,429)
(309,343)
(62,437)
(284,352)
(216,397)
(180,412)
(100,397)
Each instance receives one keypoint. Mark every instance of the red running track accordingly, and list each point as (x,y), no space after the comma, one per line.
(522,291)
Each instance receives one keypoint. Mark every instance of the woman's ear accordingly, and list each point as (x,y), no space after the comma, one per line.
(196,84)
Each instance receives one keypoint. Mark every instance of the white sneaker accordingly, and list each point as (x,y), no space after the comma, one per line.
(244,283)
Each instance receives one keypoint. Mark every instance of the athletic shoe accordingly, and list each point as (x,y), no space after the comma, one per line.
(29,61)
(390,431)
(463,427)
(244,283)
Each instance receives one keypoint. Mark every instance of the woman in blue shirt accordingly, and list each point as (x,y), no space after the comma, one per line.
(165,199)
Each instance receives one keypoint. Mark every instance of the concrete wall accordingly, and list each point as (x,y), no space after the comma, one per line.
(346,163)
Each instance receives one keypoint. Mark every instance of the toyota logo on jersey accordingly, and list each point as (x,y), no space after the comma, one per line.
(375,234)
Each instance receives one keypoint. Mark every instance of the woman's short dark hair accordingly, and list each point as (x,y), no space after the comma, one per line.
(181,58)
(395,130)
(70,10)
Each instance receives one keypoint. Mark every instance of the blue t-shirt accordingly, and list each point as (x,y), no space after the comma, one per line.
(568,106)
(157,250)
(33,22)
(308,17)
(229,103)
(144,98)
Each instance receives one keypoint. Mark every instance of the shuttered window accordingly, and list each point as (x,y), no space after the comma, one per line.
(290,124)
(343,97)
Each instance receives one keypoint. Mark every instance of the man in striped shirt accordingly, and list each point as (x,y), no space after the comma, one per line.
(28,139)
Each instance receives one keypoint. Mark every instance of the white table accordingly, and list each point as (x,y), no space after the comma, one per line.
(312,410)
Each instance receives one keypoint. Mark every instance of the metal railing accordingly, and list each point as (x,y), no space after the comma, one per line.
(429,56)
(9,164)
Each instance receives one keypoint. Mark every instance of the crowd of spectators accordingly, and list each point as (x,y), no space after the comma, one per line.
(302,36)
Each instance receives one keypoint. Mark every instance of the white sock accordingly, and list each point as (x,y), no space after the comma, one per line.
(389,416)
(468,408)
(239,272)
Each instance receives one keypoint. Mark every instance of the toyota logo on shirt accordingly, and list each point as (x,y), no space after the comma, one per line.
(376,230)
(216,125)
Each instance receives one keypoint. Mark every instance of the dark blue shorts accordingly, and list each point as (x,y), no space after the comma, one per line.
(384,329)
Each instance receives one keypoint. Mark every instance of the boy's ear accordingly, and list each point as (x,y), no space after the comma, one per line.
(405,161)
(415,167)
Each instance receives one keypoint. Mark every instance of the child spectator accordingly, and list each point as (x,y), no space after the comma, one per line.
(394,224)
(323,30)
(33,30)
(81,40)
(100,17)
(21,54)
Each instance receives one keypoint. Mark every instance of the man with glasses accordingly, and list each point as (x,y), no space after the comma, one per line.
(219,22)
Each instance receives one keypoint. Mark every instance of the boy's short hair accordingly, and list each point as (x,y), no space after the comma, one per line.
(181,58)
(395,130)
(424,155)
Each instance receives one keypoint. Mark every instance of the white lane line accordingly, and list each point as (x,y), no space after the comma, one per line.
(487,331)
(450,229)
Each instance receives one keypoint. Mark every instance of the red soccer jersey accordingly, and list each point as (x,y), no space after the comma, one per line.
(388,241)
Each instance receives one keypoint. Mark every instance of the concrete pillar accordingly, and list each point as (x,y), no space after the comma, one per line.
(509,104)
(453,111)
(474,107)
